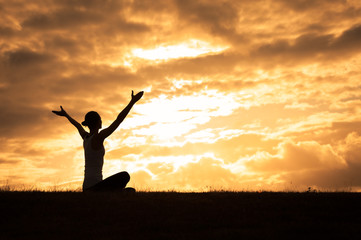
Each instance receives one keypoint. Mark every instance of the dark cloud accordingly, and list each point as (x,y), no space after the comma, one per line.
(152,8)
(342,129)
(7,32)
(6,161)
(25,57)
(68,46)
(349,39)
(21,120)
(62,19)
(87,19)
(219,18)
(305,5)
(217,15)
(312,47)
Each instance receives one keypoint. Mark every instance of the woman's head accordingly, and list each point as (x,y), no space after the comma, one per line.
(92,120)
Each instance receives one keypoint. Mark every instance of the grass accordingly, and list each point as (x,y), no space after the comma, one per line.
(174,215)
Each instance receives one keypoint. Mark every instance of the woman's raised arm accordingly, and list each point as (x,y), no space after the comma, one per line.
(109,130)
(80,128)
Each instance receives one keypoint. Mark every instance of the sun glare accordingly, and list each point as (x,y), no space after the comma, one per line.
(191,48)
(166,117)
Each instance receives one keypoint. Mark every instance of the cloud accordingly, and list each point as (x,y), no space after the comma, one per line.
(349,39)
(6,161)
(297,157)
(201,175)
(62,19)
(217,18)
(7,32)
(207,172)
(312,47)
(25,57)
(307,164)
(304,5)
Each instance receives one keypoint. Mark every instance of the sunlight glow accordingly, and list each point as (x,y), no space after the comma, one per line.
(166,118)
(191,48)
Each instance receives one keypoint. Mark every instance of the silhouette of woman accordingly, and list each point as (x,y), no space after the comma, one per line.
(94,148)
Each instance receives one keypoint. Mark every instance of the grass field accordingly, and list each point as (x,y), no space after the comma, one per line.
(171,215)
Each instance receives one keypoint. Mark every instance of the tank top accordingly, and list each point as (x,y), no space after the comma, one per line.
(94,160)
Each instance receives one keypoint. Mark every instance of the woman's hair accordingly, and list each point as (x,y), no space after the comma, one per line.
(91,119)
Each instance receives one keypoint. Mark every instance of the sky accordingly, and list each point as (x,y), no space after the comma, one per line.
(239,95)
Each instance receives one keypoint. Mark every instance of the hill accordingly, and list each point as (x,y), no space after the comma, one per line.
(172,215)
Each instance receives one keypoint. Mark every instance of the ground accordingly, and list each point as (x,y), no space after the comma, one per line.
(172,215)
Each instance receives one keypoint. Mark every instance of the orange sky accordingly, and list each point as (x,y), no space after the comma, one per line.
(239,95)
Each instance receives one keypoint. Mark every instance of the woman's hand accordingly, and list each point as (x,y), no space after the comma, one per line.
(61,113)
(136,97)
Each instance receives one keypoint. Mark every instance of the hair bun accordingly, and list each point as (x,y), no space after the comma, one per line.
(92,119)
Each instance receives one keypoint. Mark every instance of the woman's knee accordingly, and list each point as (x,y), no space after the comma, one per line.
(124,176)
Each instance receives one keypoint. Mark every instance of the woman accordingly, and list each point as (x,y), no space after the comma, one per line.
(94,148)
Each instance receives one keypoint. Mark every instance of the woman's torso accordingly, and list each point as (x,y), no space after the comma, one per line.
(94,160)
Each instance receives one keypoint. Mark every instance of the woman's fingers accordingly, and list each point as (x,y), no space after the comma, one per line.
(60,113)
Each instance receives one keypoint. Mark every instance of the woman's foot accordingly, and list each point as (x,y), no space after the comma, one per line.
(128,190)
